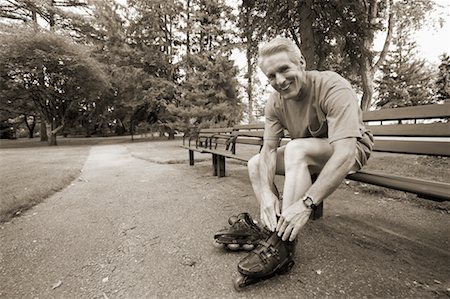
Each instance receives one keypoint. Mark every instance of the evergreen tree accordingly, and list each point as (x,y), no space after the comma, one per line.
(207,94)
(442,85)
(406,80)
(248,22)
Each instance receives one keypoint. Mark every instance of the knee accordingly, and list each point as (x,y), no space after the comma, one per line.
(253,166)
(296,152)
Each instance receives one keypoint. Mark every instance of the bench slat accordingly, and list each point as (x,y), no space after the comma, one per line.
(439,148)
(227,154)
(244,140)
(415,112)
(434,129)
(217,130)
(259,134)
(249,127)
(428,189)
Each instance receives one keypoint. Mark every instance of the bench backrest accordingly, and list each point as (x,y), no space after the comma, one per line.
(414,130)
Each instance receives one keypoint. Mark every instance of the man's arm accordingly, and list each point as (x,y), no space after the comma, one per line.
(270,206)
(331,176)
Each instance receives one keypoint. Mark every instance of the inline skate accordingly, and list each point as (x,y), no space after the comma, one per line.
(243,234)
(271,257)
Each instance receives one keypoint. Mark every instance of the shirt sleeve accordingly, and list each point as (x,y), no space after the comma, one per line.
(342,113)
(273,128)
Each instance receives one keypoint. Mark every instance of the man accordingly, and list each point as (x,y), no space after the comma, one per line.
(321,113)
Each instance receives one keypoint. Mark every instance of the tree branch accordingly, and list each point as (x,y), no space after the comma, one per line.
(387,41)
(294,37)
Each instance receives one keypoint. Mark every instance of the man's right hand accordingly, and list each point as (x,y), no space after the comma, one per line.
(270,209)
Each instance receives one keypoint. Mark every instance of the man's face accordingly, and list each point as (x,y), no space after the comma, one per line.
(284,75)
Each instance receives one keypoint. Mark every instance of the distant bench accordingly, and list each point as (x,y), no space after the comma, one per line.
(420,130)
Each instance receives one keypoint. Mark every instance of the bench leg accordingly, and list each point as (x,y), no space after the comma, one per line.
(221,166)
(214,164)
(318,213)
(191,157)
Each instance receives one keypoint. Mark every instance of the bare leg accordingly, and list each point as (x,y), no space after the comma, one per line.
(302,158)
(255,179)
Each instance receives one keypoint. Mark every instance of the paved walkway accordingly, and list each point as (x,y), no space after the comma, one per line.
(138,223)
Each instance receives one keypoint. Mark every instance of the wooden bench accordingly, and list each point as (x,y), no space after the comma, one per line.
(420,130)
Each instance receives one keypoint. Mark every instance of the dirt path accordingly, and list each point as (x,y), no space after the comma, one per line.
(134,228)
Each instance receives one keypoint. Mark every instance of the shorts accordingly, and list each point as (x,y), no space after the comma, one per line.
(364,147)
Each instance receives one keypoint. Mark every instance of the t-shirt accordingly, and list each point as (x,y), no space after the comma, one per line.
(327,107)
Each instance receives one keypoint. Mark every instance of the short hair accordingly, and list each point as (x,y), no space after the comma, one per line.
(281,44)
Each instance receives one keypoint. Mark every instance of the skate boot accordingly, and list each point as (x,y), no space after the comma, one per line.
(243,233)
(271,257)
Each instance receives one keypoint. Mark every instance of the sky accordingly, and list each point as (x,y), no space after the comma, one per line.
(431,42)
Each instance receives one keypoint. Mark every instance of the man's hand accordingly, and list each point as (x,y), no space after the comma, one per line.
(270,209)
(292,220)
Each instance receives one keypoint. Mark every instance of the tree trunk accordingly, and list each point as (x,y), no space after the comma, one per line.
(249,79)
(51,134)
(43,131)
(52,17)
(307,44)
(30,127)
(171,134)
(367,85)
(52,130)
(132,130)
(188,28)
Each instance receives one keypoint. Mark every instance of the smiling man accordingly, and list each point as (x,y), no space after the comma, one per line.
(321,113)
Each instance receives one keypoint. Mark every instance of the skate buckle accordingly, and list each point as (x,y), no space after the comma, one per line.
(266,250)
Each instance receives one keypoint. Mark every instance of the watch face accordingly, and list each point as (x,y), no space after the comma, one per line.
(308,201)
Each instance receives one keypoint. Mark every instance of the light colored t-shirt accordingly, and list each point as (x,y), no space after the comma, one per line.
(327,107)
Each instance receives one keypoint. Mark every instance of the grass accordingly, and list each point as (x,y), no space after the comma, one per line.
(29,175)
(31,171)
(429,168)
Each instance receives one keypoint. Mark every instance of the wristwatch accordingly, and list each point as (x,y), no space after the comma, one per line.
(308,201)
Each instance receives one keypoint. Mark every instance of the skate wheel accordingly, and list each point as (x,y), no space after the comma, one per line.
(239,283)
(233,246)
(248,247)
(217,244)
(233,219)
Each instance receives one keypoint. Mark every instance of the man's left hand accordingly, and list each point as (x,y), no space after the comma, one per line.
(292,220)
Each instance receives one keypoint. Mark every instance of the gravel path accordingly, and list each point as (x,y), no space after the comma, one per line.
(141,227)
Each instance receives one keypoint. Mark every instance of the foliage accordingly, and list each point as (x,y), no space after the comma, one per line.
(50,71)
(339,34)
(209,95)
(166,62)
(443,80)
(406,80)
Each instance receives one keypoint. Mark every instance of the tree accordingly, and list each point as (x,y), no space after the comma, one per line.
(247,22)
(54,73)
(406,80)
(209,97)
(442,85)
(207,94)
(53,12)
(153,34)
(339,35)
